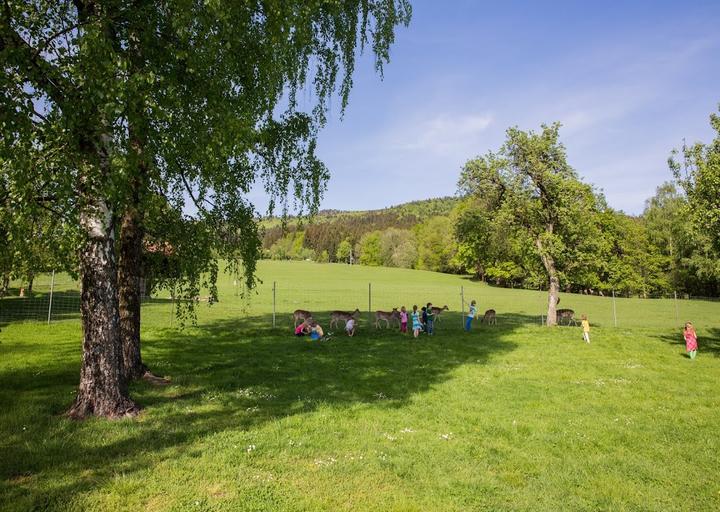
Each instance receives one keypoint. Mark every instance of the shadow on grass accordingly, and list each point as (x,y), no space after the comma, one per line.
(708,341)
(227,375)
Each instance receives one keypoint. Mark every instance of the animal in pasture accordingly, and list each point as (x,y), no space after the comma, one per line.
(335,316)
(388,316)
(436,311)
(300,315)
(566,314)
(489,317)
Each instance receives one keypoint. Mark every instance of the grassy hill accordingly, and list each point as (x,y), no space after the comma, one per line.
(513,417)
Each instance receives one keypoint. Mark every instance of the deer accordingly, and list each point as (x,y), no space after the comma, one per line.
(436,311)
(489,317)
(342,315)
(388,316)
(301,315)
(568,314)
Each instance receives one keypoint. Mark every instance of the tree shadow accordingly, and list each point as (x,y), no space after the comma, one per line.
(227,375)
(65,305)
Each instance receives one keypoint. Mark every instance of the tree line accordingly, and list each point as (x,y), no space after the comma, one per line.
(522,213)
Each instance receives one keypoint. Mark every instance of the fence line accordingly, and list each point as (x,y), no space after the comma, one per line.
(57,297)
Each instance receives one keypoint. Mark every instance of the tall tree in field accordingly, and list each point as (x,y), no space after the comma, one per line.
(115,113)
(698,171)
(530,182)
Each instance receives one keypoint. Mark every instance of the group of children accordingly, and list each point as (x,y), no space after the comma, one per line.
(311,328)
(424,321)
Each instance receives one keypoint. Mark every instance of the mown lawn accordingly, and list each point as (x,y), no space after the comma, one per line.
(516,417)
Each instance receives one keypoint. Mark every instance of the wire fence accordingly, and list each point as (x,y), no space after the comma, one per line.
(56,297)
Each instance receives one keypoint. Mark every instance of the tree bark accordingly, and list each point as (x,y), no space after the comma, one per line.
(31,278)
(102,390)
(554,287)
(5,285)
(129,274)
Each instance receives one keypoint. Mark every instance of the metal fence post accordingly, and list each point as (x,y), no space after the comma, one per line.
(462,305)
(274,288)
(369,303)
(52,287)
(614,310)
(677,313)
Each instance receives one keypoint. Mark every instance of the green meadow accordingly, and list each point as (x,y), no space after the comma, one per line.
(509,417)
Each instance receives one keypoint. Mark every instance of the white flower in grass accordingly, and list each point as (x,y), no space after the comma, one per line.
(380,396)
(407,431)
(250,448)
(389,437)
(446,437)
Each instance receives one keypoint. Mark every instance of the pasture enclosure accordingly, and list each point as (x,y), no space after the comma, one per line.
(287,286)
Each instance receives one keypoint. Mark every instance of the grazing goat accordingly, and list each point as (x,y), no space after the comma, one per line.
(567,314)
(489,317)
(388,316)
(300,315)
(342,315)
(436,311)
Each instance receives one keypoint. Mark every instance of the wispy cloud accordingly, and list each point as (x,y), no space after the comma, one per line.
(440,134)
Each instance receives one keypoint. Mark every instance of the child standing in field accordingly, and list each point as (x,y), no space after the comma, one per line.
(416,321)
(690,335)
(586,328)
(430,322)
(423,319)
(470,316)
(403,319)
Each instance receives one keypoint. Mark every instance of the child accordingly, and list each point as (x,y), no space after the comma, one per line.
(316,332)
(350,327)
(586,328)
(416,321)
(690,340)
(470,316)
(430,322)
(403,320)
(302,329)
(423,327)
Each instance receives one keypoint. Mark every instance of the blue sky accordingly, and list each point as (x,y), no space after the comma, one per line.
(628,80)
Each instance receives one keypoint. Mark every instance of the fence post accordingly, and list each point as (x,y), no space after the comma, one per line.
(614,310)
(462,305)
(369,303)
(677,313)
(52,288)
(274,288)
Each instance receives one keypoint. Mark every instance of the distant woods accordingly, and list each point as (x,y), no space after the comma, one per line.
(496,232)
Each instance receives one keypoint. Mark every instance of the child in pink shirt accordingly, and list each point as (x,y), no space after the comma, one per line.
(690,340)
(403,319)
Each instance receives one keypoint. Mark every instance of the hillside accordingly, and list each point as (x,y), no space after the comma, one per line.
(328,228)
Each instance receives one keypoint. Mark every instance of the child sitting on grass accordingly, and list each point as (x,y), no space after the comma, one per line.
(302,329)
(350,327)
(690,335)
(316,332)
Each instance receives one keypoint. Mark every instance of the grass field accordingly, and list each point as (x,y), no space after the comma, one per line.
(513,417)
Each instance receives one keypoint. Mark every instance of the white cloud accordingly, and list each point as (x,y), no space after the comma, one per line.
(441,134)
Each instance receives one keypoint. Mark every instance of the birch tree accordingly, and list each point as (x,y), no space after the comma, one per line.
(116,114)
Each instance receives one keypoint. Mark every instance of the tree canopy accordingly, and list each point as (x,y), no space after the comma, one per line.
(116,115)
